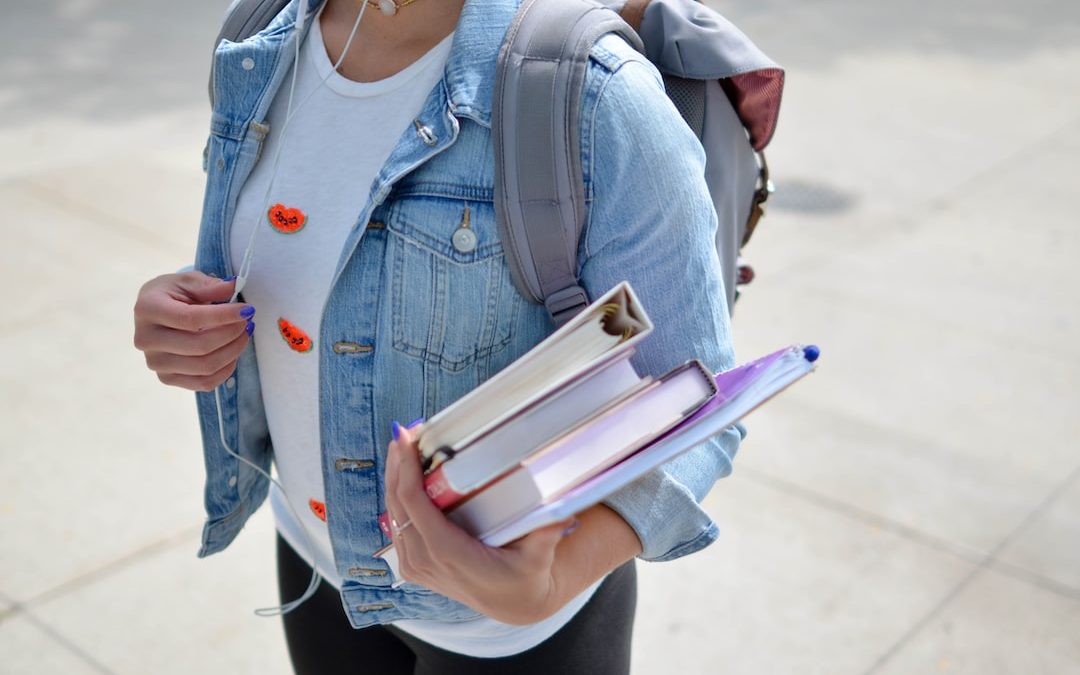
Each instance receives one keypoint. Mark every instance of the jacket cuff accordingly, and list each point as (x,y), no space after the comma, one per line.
(663,507)
(664,514)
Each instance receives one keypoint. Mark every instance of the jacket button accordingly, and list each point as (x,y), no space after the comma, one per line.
(346,464)
(366,572)
(345,347)
(425,133)
(230,383)
(248,63)
(232,481)
(464,240)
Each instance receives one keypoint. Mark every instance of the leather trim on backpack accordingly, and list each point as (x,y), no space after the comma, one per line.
(633,12)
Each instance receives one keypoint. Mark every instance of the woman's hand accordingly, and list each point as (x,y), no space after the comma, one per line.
(187,340)
(515,584)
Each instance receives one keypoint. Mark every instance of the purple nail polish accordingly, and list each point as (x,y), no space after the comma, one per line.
(227,279)
(395,429)
(416,421)
(247,312)
(250,327)
(571,527)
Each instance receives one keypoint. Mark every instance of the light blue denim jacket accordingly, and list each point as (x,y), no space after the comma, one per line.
(411,323)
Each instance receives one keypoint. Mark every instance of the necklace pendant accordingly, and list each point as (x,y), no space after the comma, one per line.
(388,7)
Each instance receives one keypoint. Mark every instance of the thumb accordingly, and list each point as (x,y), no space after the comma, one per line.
(203,288)
(542,542)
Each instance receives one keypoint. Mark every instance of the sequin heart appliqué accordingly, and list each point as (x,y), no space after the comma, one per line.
(286,219)
(296,338)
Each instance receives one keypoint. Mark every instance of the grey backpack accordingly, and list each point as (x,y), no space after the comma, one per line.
(724,87)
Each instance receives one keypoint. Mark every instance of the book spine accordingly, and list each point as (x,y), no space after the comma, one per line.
(438,489)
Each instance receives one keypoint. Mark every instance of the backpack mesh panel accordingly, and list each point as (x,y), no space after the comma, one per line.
(689,98)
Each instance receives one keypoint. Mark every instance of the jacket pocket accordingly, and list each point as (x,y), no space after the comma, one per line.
(452,297)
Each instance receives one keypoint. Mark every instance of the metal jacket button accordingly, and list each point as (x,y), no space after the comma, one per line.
(464,240)
(347,464)
(425,133)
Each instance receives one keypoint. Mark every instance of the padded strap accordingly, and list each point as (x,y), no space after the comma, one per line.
(539,186)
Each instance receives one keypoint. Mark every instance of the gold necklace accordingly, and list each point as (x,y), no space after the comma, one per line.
(389,7)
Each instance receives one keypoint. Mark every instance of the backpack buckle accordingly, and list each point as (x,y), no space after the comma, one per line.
(565,304)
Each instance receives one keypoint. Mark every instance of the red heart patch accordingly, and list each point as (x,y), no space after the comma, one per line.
(296,338)
(286,219)
(318,508)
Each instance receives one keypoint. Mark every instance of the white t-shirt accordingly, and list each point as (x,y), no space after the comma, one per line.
(339,137)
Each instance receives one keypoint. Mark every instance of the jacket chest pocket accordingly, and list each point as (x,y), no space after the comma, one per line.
(452,298)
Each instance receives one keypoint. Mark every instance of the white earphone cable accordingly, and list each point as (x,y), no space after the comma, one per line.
(249,251)
(242,275)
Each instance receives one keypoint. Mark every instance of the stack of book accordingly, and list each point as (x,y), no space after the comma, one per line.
(571,421)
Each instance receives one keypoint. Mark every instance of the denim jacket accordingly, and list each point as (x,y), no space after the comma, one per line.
(412,323)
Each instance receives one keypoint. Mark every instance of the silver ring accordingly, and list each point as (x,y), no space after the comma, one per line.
(398,529)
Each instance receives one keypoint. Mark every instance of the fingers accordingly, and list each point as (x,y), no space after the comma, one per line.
(437,531)
(175,361)
(171,341)
(177,301)
(537,548)
(188,343)
(196,383)
(203,288)
(164,310)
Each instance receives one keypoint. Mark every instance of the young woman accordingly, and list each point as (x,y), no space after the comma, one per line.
(357,170)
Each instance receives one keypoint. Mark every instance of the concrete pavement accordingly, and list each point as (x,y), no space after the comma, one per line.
(914,507)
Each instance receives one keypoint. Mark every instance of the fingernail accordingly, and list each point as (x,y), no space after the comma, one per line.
(247,312)
(416,421)
(228,279)
(395,429)
(250,327)
(571,527)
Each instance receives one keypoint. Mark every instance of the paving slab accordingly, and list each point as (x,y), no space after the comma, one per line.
(984,259)
(913,112)
(70,260)
(152,202)
(173,614)
(789,587)
(946,394)
(907,402)
(996,626)
(1050,545)
(26,649)
(100,459)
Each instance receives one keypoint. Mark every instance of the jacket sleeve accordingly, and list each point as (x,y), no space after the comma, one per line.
(652,222)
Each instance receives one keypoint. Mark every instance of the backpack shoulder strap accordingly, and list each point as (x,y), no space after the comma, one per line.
(539,185)
(244,18)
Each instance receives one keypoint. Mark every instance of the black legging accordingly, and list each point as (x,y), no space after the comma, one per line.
(321,641)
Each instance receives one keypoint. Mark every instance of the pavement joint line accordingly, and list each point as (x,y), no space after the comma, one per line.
(1049,141)
(903,223)
(1044,582)
(110,568)
(964,553)
(987,565)
(76,207)
(67,644)
(895,430)
(968,330)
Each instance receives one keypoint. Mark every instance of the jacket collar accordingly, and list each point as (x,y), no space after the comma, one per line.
(470,68)
(468,79)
